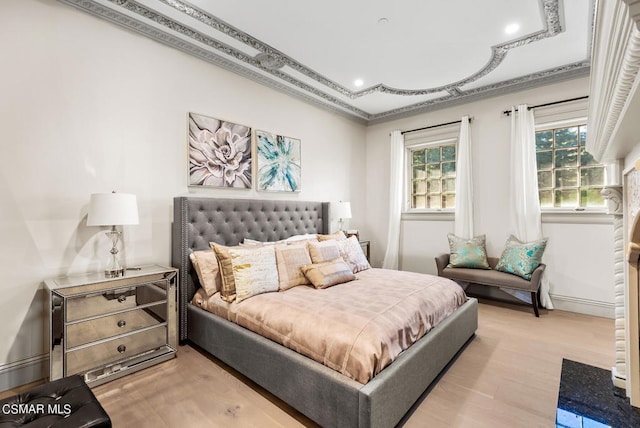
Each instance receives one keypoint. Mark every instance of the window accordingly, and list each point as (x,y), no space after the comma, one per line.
(433,175)
(568,176)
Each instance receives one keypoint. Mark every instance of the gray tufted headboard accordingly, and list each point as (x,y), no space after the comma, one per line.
(199,220)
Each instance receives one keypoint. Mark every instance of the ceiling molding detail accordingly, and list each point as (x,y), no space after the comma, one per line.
(267,67)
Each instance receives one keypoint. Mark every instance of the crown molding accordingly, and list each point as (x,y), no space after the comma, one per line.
(269,67)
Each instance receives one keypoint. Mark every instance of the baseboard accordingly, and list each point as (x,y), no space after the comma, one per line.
(584,306)
(18,373)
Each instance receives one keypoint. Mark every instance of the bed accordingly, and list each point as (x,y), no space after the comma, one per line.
(322,394)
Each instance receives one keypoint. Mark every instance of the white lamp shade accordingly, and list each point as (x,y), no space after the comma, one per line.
(112,209)
(343,210)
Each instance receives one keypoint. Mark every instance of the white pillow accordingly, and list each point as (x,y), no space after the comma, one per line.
(352,253)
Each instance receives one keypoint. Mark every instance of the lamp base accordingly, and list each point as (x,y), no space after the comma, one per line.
(114,273)
(114,269)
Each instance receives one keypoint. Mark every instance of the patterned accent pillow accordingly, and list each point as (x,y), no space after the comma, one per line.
(254,271)
(228,283)
(521,258)
(327,274)
(467,253)
(351,252)
(324,251)
(289,259)
(206,266)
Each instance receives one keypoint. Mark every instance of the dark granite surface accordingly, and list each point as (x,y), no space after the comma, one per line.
(588,399)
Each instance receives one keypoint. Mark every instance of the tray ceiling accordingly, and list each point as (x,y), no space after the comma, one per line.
(409,56)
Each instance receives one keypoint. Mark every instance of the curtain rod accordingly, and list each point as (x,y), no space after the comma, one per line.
(434,126)
(508,112)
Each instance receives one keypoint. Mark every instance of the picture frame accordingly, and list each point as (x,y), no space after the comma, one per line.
(219,153)
(278,160)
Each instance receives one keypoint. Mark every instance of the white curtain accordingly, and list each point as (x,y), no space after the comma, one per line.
(524,185)
(464,184)
(396,155)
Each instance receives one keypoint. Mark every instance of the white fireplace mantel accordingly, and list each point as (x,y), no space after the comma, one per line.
(614,99)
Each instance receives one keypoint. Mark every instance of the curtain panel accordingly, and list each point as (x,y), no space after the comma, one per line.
(463,225)
(396,156)
(526,214)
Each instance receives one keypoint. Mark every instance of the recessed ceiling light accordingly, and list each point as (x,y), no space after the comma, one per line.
(358,82)
(511,28)
(383,21)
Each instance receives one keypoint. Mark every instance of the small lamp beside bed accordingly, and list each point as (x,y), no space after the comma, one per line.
(342,210)
(113,209)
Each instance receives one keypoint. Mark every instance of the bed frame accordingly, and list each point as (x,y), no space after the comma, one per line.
(322,394)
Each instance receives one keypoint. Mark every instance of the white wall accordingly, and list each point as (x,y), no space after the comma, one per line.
(87,107)
(579,256)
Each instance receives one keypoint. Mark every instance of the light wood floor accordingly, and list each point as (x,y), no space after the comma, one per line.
(508,376)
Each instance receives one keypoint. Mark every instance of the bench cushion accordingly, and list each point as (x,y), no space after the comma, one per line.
(489,277)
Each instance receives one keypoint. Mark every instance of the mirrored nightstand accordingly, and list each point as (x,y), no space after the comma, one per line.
(104,328)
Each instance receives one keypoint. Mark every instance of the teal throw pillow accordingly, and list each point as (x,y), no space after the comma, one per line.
(467,253)
(521,258)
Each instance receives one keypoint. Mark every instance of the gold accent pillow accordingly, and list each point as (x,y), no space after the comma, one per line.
(338,236)
(254,271)
(228,283)
(323,275)
(289,259)
(205,264)
(324,251)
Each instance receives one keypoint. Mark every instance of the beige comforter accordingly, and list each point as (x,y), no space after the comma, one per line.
(356,328)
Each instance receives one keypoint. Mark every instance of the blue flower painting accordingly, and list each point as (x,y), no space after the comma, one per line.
(278,162)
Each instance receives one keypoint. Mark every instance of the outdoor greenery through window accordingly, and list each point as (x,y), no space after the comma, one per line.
(568,176)
(433,177)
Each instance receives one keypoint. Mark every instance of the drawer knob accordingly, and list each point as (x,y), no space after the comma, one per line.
(122,298)
(122,323)
(122,348)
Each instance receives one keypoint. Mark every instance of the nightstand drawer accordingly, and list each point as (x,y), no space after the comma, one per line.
(114,350)
(106,302)
(85,332)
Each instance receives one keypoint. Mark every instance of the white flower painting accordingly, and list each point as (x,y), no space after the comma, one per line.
(279,167)
(219,153)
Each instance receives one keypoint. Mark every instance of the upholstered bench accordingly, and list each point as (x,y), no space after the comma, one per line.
(66,402)
(493,277)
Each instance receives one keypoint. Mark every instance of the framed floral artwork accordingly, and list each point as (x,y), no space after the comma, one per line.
(278,162)
(219,153)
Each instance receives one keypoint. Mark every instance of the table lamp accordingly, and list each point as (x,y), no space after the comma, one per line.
(113,209)
(343,212)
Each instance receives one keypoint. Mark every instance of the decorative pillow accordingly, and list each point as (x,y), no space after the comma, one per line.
(324,251)
(299,238)
(338,236)
(295,239)
(206,267)
(254,271)
(352,253)
(228,283)
(467,253)
(289,259)
(323,275)
(520,258)
(246,242)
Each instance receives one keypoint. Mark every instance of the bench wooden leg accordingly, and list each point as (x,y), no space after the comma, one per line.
(534,302)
